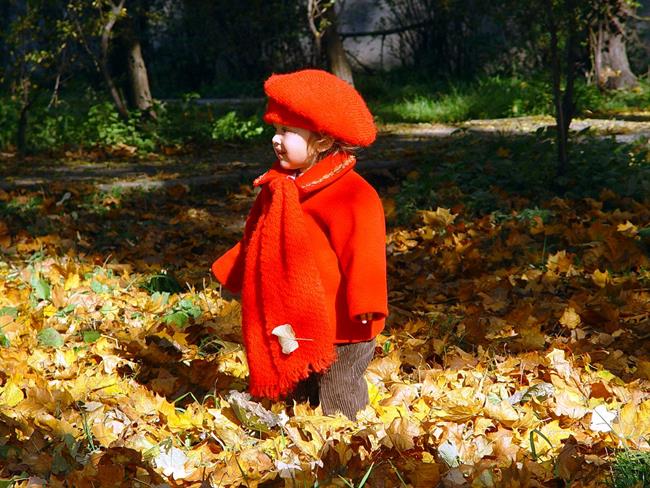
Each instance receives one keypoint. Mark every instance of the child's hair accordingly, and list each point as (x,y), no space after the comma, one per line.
(335,148)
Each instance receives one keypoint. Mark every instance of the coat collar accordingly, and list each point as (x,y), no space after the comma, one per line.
(322,174)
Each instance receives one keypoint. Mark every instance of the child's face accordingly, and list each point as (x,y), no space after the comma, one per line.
(291,145)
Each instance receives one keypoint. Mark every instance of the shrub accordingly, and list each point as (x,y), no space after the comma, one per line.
(105,127)
(54,128)
(184,122)
(231,127)
(8,121)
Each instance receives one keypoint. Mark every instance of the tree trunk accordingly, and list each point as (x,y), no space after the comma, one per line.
(336,57)
(21,135)
(556,72)
(568,102)
(103,62)
(139,79)
(611,66)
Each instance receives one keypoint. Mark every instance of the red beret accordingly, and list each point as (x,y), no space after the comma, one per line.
(320,102)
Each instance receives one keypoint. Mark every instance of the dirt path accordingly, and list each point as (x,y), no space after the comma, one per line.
(397,145)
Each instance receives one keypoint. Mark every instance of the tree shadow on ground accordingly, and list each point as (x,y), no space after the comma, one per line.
(626,117)
(499,276)
(474,277)
(524,248)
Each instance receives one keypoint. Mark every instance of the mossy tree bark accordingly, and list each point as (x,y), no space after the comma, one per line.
(336,56)
(323,23)
(610,62)
(134,34)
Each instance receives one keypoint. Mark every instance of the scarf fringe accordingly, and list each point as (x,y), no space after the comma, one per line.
(288,383)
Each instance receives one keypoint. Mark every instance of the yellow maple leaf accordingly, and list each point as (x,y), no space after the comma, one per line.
(441,217)
(459,404)
(386,369)
(109,386)
(71,282)
(233,363)
(401,394)
(503,412)
(104,434)
(569,401)
(557,360)
(601,278)
(59,427)
(225,429)
(65,359)
(560,262)
(11,393)
(634,422)
(49,310)
(389,413)
(401,434)
(570,318)
(103,346)
(181,420)
(628,229)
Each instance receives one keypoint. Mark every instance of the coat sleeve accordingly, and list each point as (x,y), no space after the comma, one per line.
(229,268)
(358,236)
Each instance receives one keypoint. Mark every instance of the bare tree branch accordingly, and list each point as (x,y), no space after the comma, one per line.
(386,32)
(312,13)
(105,38)
(642,18)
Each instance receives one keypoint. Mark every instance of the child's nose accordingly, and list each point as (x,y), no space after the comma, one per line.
(277,140)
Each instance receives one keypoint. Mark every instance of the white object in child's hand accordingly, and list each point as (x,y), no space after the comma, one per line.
(287,338)
(364,321)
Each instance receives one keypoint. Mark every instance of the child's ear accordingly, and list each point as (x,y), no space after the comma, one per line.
(323,143)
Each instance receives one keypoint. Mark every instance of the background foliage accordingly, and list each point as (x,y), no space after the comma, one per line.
(460,59)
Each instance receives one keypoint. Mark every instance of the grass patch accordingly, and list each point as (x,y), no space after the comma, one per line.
(410,99)
(631,469)
(487,98)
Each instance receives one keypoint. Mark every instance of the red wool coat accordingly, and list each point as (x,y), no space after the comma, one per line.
(345,225)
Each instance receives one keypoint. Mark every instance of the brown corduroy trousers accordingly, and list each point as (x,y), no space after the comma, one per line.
(342,388)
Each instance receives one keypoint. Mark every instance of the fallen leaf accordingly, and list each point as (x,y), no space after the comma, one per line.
(402,432)
(448,453)
(570,318)
(628,229)
(602,419)
(11,394)
(601,278)
(441,217)
(171,461)
(287,338)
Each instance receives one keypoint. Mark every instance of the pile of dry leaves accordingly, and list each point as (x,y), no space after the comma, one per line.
(516,354)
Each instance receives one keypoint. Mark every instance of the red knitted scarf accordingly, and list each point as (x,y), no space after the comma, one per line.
(282,283)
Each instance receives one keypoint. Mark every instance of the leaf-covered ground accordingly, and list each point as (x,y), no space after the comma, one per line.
(517,351)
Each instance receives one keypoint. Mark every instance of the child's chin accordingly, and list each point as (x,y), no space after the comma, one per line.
(288,164)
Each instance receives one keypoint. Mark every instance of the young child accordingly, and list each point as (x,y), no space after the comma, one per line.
(313,254)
